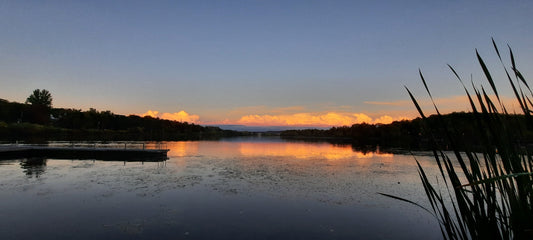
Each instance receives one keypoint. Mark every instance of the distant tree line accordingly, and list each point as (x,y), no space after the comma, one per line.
(411,134)
(37,120)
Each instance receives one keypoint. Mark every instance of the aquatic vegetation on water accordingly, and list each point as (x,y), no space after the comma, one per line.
(489,194)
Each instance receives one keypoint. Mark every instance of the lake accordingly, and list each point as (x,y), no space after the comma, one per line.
(238,188)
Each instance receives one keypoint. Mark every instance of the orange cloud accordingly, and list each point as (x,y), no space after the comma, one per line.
(313,119)
(150,113)
(386,119)
(180,116)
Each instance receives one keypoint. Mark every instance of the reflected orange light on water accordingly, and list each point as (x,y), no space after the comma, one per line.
(371,155)
(305,150)
(182,149)
(292,150)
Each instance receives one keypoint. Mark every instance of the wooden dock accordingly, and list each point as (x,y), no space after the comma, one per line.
(107,154)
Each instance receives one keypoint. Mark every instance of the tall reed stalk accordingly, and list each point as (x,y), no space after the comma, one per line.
(485,194)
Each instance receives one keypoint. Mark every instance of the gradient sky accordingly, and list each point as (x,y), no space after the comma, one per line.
(255,62)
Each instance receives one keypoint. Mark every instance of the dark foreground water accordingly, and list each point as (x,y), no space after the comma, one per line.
(248,188)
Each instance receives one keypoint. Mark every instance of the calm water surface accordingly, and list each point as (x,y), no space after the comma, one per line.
(243,188)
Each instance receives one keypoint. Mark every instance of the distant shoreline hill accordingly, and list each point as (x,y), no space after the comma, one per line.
(263,129)
(34,123)
(25,122)
(413,134)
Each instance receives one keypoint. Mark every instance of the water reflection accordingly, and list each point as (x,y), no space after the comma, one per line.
(229,189)
(182,149)
(34,166)
(305,150)
(298,150)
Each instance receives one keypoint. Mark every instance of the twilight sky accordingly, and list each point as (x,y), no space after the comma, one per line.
(319,63)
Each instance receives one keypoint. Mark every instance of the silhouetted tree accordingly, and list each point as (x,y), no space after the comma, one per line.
(41,105)
(40,97)
(75,124)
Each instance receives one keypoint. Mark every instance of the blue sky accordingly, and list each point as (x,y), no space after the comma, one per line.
(220,61)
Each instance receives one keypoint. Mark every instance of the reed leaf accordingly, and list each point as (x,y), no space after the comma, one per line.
(408,201)
(518,74)
(487,74)
(491,193)
(494,179)
(416,103)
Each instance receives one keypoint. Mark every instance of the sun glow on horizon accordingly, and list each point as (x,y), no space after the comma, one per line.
(299,116)
(307,119)
(315,119)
